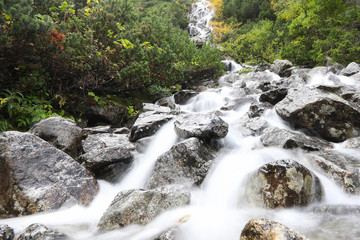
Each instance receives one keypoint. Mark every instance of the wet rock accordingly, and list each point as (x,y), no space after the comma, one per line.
(139,206)
(142,144)
(281,67)
(35,176)
(353,143)
(328,115)
(200,125)
(185,163)
(251,126)
(294,81)
(283,183)
(274,136)
(149,121)
(273,96)
(265,229)
(6,233)
(237,103)
(341,168)
(350,69)
(60,132)
(183,96)
(106,153)
(40,232)
(123,130)
(257,109)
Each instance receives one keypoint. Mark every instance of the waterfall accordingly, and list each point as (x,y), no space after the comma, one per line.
(199,21)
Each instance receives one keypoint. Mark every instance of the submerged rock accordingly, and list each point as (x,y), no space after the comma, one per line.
(60,132)
(149,121)
(353,143)
(185,163)
(40,232)
(142,206)
(283,183)
(273,136)
(342,168)
(35,176)
(265,229)
(107,155)
(328,115)
(6,233)
(200,125)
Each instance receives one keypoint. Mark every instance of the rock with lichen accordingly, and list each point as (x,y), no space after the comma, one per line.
(283,183)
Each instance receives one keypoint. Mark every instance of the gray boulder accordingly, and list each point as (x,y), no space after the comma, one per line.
(96,130)
(328,115)
(341,168)
(350,69)
(185,163)
(265,229)
(40,232)
(142,206)
(6,233)
(237,103)
(278,137)
(35,176)
(200,125)
(283,183)
(60,132)
(149,121)
(251,126)
(281,67)
(107,155)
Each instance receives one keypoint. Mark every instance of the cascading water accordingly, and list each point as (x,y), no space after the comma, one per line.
(199,20)
(217,209)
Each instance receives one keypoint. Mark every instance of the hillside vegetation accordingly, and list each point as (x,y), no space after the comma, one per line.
(55,52)
(306,32)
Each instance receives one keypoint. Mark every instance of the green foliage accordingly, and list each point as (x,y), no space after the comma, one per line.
(19,112)
(305,32)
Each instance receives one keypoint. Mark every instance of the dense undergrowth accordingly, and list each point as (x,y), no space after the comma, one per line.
(55,52)
(306,32)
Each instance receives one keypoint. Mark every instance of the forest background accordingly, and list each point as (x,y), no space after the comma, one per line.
(55,54)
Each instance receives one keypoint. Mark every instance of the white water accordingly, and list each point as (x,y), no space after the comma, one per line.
(199,20)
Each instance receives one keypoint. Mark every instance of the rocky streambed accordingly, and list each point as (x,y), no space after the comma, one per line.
(271,154)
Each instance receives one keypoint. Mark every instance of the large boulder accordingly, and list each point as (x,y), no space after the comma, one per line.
(200,125)
(265,229)
(350,69)
(185,163)
(40,232)
(106,153)
(283,183)
(341,168)
(326,114)
(6,233)
(139,206)
(251,126)
(281,67)
(60,132)
(35,176)
(273,136)
(149,121)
